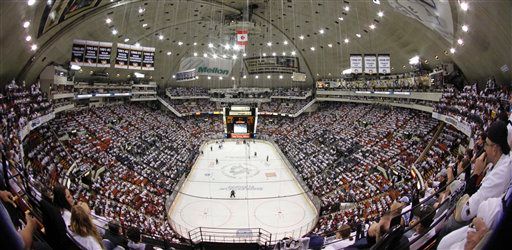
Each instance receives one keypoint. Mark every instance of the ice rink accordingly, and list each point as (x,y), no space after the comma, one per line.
(267,194)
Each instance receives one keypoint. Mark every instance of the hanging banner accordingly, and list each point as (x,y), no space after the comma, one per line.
(135,59)
(187,75)
(104,52)
(384,64)
(91,53)
(123,51)
(242,38)
(370,64)
(207,66)
(78,52)
(148,59)
(356,63)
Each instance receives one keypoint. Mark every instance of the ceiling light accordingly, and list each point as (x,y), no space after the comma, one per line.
(224,56)
(329,45)
(280,76)
(312,48)
(414,60)
(33,47)
(380,14)
(227,46)
(321,31)
(233,78)
(244,77)
(137,44)
(268,77)
(161,37)
(108,20)
(285,42)
(195,44)
(235,57)
(197,77)
(236,47)
(210,45)
(340,18)
(293,53)
(465,28)
(126,40)
(214,56)
(220,78)
(256,76)
(169,53)
(274,54)
(205,55)
(372,26)
(244,54)
(195,54)
(346,40)
(75,67)
(347,8)
(141,10)
(28,38)
(173,76)
(264,54)
(452,50)
(460,41)
(26,24)
(31,2)
(269,44)
(284,53)
(180,43)
(358,35)
(464,6)
(144,25)
(209,77)
(114,32)
(301,37)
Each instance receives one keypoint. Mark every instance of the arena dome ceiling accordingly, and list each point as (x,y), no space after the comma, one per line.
(321,33)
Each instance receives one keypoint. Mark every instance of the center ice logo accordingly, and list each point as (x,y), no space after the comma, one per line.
(238,170)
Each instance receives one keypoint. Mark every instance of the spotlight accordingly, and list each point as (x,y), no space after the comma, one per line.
(380,14)
(464,6)
(108,20)
(465,28)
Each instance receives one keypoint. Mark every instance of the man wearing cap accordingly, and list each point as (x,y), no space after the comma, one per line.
(499,175)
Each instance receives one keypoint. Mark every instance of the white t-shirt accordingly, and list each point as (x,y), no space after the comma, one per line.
(88,242)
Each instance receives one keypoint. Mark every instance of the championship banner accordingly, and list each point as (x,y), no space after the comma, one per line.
(384,64)
(272,64)
(148,59)
(91,53)
(242,38)
(123,51)
(370,64)
(104,52)
(356,63)
(78,52)
(207,66)
(135,58)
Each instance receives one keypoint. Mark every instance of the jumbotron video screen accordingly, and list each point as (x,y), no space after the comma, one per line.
(240,121)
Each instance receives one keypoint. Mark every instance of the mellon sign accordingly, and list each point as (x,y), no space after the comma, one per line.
(207,66)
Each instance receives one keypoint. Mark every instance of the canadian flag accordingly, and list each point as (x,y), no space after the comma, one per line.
(241,37)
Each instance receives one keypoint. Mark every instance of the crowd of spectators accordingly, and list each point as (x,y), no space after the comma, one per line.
(192,91)
(130,156)
(290,92)
(283,106)
(192,106)
(416,83)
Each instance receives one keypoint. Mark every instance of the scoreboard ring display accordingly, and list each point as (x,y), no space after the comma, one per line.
(240,121)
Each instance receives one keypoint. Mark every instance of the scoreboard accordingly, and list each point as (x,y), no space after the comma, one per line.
(240,121)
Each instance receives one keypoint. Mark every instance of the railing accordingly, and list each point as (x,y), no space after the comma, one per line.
(229,235)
